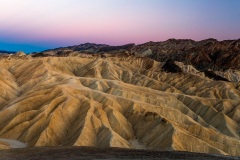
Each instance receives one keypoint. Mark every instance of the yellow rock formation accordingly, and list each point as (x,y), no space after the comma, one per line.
(116,102)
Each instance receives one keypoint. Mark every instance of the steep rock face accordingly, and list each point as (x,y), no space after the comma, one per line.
(117,102)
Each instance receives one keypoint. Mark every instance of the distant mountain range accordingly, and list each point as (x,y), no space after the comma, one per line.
(7,52)
(205,54)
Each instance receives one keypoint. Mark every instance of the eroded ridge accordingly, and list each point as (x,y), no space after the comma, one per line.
(124,102)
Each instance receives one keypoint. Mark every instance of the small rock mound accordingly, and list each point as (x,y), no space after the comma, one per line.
(20,54)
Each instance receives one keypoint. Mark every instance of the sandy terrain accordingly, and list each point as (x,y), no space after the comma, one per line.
(117,102)
(8,144)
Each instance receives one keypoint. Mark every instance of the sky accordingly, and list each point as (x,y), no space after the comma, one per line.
(36,25)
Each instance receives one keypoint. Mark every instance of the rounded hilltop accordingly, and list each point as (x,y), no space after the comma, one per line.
(20,54)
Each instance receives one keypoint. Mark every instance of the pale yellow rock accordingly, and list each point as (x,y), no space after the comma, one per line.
(117,102)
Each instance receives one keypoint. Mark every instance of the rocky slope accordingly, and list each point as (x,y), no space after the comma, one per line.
(119,101)
(206,54)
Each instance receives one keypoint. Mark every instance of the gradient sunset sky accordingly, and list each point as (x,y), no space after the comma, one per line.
(35,25)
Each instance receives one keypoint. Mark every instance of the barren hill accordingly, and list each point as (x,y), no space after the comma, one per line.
(122,101)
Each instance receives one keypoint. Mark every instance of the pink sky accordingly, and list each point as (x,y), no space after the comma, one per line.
(53,23)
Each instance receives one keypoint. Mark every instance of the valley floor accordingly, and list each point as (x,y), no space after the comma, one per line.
(88,153)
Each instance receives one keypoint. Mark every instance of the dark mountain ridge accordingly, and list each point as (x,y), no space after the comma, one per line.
(209,54)
(205,54)
(7,52)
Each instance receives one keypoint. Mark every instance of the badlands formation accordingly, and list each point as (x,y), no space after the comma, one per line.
(174,95)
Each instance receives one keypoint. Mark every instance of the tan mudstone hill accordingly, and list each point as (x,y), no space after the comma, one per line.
(124,102)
